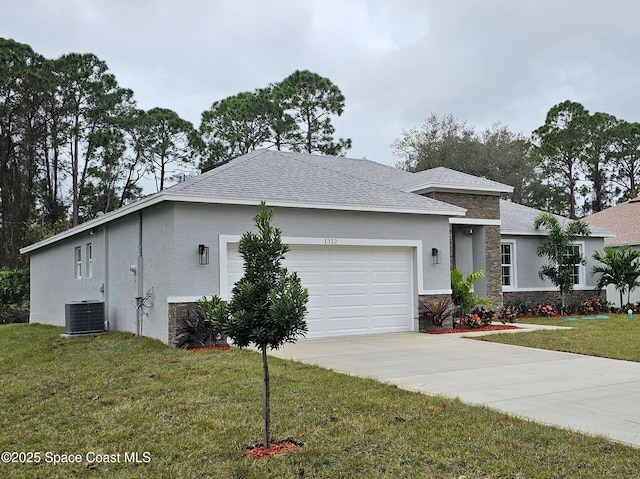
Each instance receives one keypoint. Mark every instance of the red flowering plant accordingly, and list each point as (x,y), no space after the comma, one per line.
(590,306)
(544,310)
(508,314)
(477,318)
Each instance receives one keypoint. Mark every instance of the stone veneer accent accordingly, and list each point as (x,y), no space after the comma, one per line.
(424,325)
(481,207)
(493,272)
(486,207)
(176,311)
(547,297)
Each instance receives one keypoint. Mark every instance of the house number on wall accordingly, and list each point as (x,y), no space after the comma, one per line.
(330,241)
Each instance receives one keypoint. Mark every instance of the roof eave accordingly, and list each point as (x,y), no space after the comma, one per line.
(431,187)
(190,198)
(545,233)
(453,211)
(95,222)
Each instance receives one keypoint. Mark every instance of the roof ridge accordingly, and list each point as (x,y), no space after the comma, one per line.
(347,174)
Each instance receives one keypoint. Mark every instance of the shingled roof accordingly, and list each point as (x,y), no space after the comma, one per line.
(623,220)
(446,179)
(516,219)
(312,181)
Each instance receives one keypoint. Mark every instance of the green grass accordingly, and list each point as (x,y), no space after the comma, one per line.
(195,414)
(617,337)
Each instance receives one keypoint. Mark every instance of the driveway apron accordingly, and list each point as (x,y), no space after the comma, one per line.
(592,395)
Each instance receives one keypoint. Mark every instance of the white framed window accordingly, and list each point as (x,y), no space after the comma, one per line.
(77,257)
(89,256)
(576,274)
(507,255)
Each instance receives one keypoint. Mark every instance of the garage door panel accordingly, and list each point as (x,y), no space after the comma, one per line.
(398,299)
(352,290)
(347,279)
(346,325)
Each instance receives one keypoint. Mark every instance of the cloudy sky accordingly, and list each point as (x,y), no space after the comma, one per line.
(396,62)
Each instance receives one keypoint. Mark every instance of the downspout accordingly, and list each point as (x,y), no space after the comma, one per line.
(105,285)
(140,276)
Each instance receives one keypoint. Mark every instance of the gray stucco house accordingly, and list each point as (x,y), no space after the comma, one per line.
(369,242)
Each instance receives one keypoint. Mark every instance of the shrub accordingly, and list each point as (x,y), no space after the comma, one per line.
(478,317)
(436,312)
(591,306)
(508,314)
(197,330)
(461,292)
(635,308)
(14,286)
(544,310)
(10,314)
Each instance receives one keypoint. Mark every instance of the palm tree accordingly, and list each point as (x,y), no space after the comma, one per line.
(557,247)
(620,267)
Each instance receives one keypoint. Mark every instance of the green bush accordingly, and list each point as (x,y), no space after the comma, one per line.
(14,286)
(463,296)
(10,314)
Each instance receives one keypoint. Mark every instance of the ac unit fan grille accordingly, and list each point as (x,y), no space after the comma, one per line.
(83,317)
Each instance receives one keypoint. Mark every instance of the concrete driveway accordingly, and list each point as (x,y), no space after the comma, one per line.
(592,395)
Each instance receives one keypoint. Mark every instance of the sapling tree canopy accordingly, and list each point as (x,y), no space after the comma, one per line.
(268,303)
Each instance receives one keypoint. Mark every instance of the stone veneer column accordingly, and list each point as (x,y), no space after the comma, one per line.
(493,274)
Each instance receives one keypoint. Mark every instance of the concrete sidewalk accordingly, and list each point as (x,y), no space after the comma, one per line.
(583,393)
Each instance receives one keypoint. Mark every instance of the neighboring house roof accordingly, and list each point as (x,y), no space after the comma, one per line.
(446,179)
(622,219)
(516,219)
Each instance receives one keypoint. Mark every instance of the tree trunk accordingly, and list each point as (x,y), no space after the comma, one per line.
(266,411)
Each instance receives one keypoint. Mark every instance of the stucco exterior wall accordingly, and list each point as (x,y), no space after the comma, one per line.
(169,271)
(114,251)
(528,288)
(54,282)
(202,224)
(613,295)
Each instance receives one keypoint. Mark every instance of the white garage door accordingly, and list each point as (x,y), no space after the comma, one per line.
(352,290)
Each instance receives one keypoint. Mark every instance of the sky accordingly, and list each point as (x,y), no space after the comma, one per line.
(396,62)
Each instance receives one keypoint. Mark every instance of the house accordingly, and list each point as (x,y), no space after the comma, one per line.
(369,242)
(521,264)
(622,219)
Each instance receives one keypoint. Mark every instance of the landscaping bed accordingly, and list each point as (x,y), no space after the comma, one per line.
(467,329)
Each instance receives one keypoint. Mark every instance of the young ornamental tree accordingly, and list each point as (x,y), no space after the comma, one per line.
(462,293)
(558,248)
(268,303)
(619,267)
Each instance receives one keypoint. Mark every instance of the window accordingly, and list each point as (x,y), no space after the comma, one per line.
(576,252)
(78,262)
(89,260)
(507,264)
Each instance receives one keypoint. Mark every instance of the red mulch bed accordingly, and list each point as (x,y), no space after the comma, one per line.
(464,329)
(217,347)
(275,448)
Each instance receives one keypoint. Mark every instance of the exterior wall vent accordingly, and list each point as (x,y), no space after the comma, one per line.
(84,317)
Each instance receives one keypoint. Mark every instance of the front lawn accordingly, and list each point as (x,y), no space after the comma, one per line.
(617,337)
(192,415)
